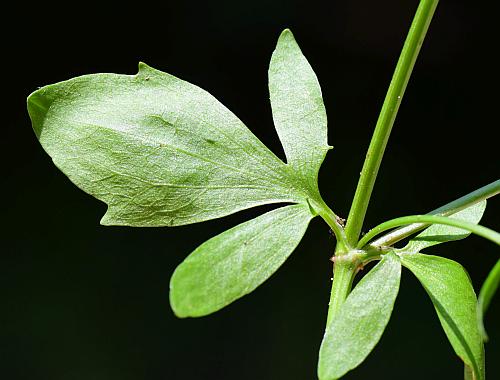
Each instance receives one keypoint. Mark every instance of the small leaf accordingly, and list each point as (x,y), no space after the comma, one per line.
(452,294)
(235,262)
(361,320)
(298,110)
(439,233)
(158,150)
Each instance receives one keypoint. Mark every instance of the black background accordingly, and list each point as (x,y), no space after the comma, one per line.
(82,301)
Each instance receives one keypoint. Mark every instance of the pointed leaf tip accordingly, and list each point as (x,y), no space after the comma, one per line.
(38,105)
(298,111)
(286,34)
(145,68)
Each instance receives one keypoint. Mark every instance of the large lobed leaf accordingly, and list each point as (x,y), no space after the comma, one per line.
(235,262)
(158,150)
(298,110)
(360,322)
(452,294)
(162,152)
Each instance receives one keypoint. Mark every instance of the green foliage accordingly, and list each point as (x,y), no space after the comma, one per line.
(235,262)
(460,224)
(158,150)
(439,233)
(452,294)
(298,111)
(359,324)
(162,152)
(449,287)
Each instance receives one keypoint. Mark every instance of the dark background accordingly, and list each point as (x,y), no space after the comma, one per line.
(82,301)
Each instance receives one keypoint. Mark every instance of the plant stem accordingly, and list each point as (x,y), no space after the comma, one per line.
(431,219)
(457,205)
(488,289)
(343,275)
(344,271)
(468,375)
(332,220)
(387,116)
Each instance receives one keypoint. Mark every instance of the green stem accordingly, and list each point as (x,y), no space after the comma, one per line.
(343,275)
(488,289)
(344,271)
(387,116)
(431,219)
(457,205)
(332,220)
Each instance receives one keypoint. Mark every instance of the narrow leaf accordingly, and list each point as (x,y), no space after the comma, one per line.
(158,150)
(298,110)
(452,294)
(235,262)
(361,320)
(439,233)
(488,290)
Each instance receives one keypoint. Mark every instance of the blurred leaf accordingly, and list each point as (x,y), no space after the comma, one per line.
(158,150)
(439,233)
(488,290)
(452,294)
(361,320)
(235,262)
(298,110)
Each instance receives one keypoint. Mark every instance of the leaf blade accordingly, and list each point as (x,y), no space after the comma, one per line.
(438,233)
(453,297)
(298,110)
(236,261)
(158,150)
(360,322)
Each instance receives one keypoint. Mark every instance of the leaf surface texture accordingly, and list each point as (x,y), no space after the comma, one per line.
(235,262)
(361,320)
(158,150)
(452,294)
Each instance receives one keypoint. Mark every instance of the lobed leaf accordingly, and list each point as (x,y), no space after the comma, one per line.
(157,150)
(361,320)
(235,262)
(439,233)
(452,294)
(298,110)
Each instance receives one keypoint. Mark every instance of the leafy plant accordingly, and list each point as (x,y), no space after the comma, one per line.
(162,152)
